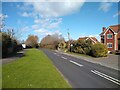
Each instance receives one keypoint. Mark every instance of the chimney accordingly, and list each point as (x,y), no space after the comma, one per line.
(104,28)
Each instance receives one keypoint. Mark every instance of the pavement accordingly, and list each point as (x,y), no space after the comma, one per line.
(83,74)
(14,57)
(111,61)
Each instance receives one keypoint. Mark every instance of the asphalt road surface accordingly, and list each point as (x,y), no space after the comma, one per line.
(82,74)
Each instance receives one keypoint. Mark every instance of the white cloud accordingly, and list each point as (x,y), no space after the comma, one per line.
(25,14)
(26,28)
(55,9)
(117,14)
(105,6)
(3,16)
(47,15)
(34,27)
(36,21)
(45,32)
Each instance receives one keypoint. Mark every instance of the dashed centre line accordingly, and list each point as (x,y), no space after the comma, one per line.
(55,53)
(76,63)
(64,57)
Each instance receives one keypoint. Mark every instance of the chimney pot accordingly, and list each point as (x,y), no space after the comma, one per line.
(104,28)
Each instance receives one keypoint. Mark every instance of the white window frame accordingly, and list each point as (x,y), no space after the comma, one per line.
(108,45)
(109,34)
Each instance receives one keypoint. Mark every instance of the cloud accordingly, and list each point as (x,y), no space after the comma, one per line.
(117,14)
(3,16)
(47,15)
(25,14)
(55,9)
(48,23)
(26,28)
(105,6)
(45,32)
(34,27)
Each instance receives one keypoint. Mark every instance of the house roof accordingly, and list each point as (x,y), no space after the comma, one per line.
(115,28)
(83,38)
(86,38)
(94,39)
(119,34)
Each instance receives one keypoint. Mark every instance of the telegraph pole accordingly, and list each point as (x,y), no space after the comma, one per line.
(68,40)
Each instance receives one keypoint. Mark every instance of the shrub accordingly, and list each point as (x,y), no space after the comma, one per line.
(9,45)
(82,47)
(99,50)
(79,50)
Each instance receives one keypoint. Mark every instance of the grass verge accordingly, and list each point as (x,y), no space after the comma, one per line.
(34,70)
(80,55)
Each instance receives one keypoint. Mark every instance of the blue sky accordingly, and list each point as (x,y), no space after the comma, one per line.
(81,18)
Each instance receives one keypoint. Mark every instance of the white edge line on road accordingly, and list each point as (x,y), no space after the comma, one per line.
(76,63)
(94,71)
(64,57)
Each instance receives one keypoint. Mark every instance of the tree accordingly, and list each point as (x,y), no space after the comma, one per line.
(32,41)
(51,41)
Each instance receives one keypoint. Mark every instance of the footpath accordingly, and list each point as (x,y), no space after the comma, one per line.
(111,61)
(14,57)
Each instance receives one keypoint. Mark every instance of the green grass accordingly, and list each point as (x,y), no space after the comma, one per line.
(34,70)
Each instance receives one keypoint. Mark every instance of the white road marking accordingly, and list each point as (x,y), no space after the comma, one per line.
(76,63)
(63,57)
(106,77)
(55,53)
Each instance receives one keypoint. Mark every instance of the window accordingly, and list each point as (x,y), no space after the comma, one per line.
(109,36)
(109,45)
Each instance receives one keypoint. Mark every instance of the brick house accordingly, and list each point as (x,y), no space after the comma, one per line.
(111,36)
(93,39)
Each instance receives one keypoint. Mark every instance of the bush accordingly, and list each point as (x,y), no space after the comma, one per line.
(79,50)
(9,45)
(99,50)
(82,47)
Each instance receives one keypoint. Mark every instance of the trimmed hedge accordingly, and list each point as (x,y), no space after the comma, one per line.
(99,50)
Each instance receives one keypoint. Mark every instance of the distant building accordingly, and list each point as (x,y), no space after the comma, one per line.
(111,36)
(93,39)
(24,45)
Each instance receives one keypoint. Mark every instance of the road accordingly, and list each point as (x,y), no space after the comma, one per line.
(82,74)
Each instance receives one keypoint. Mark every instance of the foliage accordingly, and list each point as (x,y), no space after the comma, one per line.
(32,41)
(34,70)
(62,45)
(99,50)
(51,41)
(9,44)
(82,47)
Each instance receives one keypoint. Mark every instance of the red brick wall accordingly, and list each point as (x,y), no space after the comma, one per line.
(117,42)
(110,40)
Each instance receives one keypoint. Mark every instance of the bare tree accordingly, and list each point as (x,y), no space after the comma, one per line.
(52,41)
(32,41)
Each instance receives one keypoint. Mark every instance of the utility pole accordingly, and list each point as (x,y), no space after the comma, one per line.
(68,40)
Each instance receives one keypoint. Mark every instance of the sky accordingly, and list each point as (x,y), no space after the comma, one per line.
(43,18)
